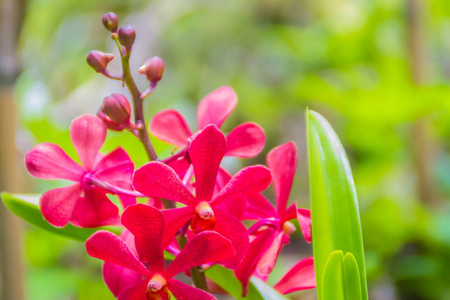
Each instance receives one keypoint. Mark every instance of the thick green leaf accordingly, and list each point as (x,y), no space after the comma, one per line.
(27,208)
(334,206)
(341,278)
(332,283)
(257,289)
(352,284)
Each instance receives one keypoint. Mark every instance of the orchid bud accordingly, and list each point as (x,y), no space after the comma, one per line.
(126,35)
(153,69)
(117,108)
(109,123)
(110,21)
(99,60)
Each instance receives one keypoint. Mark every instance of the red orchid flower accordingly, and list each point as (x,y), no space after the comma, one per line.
(147,225)
(246,140)
(84,203)
(203,210)
(269,235)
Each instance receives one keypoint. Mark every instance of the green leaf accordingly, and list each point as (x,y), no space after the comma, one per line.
(332,283)
(334,206)
(257,289)
(352,284)
(341,278)
(27,208)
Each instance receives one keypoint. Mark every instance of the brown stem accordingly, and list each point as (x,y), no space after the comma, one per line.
(138,108)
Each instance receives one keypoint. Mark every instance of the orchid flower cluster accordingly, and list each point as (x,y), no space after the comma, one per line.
(194,209)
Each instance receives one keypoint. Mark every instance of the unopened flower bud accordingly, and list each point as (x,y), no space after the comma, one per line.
(110,21)
(126,35)
(153,69)
(99,60)
(110,124)
(117,108)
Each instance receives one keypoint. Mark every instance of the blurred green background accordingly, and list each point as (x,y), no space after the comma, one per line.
(377,70)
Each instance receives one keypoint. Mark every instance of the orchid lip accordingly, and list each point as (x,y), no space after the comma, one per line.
(204,210)
(156,283)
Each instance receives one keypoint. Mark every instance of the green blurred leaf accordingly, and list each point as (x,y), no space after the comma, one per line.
(334,206)
(341,277)
(257,289)
(332,283)
(352,283)
(26,207)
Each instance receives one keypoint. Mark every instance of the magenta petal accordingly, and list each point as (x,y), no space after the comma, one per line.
(300,277)
(88,134)
(49,161)
(216,106)
(258,208)
(155,179)
(115,166)
(183,291)
(170,126)
(304,219)
(269,258)
(109,247)
(247,181)
(95,209)
(246,140)
(282,161)
(57,205)
(146,223)
(206,152)
(205,247)
(232,229)
(135,292)
(118,278)
(174,219)
(256,249)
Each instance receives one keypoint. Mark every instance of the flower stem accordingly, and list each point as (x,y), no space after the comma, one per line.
(137,103)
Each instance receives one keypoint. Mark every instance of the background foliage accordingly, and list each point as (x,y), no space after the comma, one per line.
(346,59)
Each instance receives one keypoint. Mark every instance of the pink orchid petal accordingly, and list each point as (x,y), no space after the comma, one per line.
(155,179)
(269,258)
(118,278)
(258,207)
(216,106)
(223,177)
(300,277)
(256,249)
(125,200)
(206,152)
(170,126)
(282,161)
(232,229)
(183,291)
(174,219)
(95,209)
(205,247)
(57,205)
(49,161)
(88,134)
(135,292)
(180,166)
(304,219)
(146,223)
(115,166)
(247,181)
(109,247)
(246,140)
